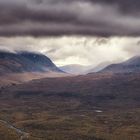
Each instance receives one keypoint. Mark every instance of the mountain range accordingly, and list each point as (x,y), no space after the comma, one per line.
(19,62)
(102,105)
(128,66)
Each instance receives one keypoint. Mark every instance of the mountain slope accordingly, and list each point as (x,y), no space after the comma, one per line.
(130,66)
(42,62)
(25,62)
(119,90)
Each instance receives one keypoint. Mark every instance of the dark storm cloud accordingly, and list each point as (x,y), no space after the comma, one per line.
(62,17)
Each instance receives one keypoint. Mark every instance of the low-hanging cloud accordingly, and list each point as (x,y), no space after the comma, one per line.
(75,17)
(76,50)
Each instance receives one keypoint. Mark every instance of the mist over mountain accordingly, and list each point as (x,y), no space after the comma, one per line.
(99,67)
(75,69)
(81,69)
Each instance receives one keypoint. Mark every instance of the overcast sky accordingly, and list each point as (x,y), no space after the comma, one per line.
(59,17)
(72,31)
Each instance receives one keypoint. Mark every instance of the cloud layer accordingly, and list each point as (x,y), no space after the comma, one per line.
(76,50)
(74,17)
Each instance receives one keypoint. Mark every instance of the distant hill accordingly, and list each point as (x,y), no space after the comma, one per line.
(75,69)
(80,69)
(99,67)
(130,66)
(25,62)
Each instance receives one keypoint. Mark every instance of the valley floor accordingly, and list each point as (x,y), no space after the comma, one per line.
(83,125)
(72,108)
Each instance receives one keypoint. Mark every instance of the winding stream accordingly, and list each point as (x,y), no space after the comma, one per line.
(22,133)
